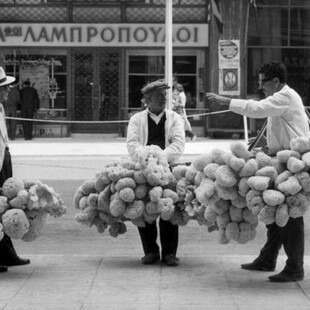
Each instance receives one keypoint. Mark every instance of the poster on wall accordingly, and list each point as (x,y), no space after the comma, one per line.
(229,67)
(38,75)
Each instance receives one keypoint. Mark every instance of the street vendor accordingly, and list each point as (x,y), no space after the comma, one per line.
(286,119)
(157,126)
(8,255)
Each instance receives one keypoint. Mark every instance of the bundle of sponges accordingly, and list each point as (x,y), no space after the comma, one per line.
(187,179)
(220,179)
(24,206)
(283,191)
(138,190)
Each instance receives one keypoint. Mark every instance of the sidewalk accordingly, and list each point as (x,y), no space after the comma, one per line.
(97,146)
(75,268)
(81,158)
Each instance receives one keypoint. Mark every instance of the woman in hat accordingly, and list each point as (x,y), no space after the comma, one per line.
(8,255)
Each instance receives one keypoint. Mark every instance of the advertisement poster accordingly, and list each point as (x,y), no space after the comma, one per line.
(229,67)
(38,75)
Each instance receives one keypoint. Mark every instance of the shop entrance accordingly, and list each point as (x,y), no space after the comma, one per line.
(145,66)
(96,93)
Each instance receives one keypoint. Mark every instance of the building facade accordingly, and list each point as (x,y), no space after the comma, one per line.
(90,58)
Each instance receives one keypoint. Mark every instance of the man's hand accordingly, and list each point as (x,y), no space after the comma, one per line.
(218,99)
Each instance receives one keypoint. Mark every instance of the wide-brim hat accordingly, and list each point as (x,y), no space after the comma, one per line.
(156,85)
(5,79)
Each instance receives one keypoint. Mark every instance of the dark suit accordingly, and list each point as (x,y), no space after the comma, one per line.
(7,251)
(30,102)
(12,104)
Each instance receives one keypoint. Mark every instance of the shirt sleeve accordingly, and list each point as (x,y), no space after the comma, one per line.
(273,106)
(132,140)
(176,139)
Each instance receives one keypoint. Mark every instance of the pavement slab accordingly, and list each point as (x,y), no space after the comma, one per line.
(121,282)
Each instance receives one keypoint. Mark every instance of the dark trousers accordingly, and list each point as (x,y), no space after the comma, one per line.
(7,250)
(189,133)
(11,125)
(292,237)
(27,125)
(169,237)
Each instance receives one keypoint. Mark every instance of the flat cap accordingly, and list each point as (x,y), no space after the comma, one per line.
(156,85)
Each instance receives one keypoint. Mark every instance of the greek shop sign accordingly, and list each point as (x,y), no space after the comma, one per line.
(123,35)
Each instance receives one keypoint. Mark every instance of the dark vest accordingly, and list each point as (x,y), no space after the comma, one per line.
(156,132)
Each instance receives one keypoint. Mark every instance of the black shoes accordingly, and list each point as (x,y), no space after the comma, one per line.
(3,268)
(150,259)
(285,276)
(257,265)
(170,260)
(17,261)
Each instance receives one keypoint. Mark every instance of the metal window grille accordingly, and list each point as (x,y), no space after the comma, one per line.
(101,11)
(33,14)
(96,15)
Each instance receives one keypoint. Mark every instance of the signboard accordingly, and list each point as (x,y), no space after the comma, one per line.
(102,35)
(229,67)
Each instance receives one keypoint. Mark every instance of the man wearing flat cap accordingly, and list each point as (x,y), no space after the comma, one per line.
(8,255)
(157,126)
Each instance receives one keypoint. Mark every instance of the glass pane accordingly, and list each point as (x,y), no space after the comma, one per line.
(268,26)
(300,27)
(301,3)
(146,64)
(184,64)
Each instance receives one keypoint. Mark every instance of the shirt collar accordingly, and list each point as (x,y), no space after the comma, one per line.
(154,117)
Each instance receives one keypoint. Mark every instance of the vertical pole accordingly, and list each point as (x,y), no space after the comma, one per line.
(168,51)
(246,134)
(52,83)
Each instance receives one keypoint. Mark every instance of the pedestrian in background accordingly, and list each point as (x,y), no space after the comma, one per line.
(29,103)
(179,106)
(156,125)
(11,106)
(286,119)
(8,255)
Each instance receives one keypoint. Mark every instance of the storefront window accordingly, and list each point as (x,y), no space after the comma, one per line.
(46,72)
(268,26)
(300,27)
(280,31)
(145,69)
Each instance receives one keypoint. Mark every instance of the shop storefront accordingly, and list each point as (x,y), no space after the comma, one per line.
(90,72)
(90,58)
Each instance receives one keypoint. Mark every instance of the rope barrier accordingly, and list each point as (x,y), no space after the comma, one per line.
(96,122)
(53,166)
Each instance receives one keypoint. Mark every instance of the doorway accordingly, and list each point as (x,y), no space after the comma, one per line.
(96,80)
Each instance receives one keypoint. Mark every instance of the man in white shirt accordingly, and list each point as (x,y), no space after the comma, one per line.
(157,126)
(286,119)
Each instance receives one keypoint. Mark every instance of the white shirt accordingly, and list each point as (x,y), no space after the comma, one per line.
(137,133)
(286,116)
